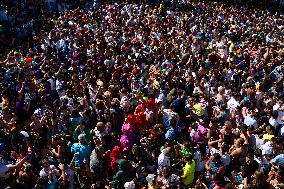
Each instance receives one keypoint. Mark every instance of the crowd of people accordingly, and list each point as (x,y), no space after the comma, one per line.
(20,19)
(181,94)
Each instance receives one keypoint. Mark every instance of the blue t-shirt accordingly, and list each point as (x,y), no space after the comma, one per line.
(278,160)
(84,151)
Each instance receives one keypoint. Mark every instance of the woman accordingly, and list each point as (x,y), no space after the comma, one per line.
(36,125)
(59,149)
(136,158)
(239,150)
(200,183)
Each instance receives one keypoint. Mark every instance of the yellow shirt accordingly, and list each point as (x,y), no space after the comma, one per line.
(188,171)
(267,137)
(197,109)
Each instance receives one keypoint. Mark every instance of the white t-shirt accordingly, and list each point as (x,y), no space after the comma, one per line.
(267,148)
(163,161)
(273,122)
(45,173)
(232,103)
(211,151)
(58,84)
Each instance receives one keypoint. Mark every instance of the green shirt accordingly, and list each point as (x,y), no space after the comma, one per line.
(185,152)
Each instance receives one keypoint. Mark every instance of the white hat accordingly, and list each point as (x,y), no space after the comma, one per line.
(129,185)
(25,134)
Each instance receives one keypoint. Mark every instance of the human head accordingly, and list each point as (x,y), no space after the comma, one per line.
(81,138)
(44,163)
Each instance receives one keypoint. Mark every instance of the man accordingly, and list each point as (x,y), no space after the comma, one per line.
(164,159)
(188,170)
(100,130)
(50,172)
(82,148)
(82,129)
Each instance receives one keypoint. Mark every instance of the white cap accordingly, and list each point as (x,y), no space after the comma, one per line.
(25,134)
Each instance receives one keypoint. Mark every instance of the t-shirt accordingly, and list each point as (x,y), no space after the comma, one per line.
(163,161)
(70,174)
(267,148)
(45,173)
(3,170)
(226,159)
(170,134)
(84,151)
(185,151)
(278,160)
(188,171)
(200,162)
(249,169)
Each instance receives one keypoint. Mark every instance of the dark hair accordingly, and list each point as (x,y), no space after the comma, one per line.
(225,148)
(99,185)
(188,157)
(229,186)
(43,161)
(258,152)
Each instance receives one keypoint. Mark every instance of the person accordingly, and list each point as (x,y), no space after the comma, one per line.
(10,167)
(214,165)
(97,164)
(67,178)
(27,176)
(164,159)
(50,172)
(81,149)
(123,175)
(250,167)
(278,161)
(167,179)
(259,181)
(188,170)
(200,77)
